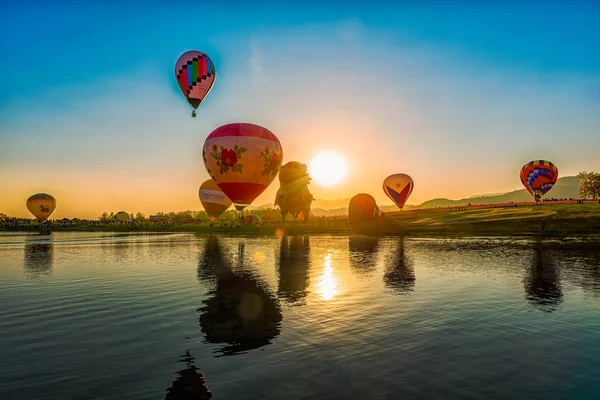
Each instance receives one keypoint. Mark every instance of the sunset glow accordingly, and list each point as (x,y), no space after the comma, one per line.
(328,169)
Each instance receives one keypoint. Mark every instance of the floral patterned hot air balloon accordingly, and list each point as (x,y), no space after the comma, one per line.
(538,177)
(214,201)
(243,159)
(398,188)
(41,205)
(195,74)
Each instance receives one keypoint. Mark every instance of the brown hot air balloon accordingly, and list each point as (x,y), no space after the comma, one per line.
(293,195)
(363,208)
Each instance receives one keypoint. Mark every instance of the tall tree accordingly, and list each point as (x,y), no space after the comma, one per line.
(104,217)
(589,184)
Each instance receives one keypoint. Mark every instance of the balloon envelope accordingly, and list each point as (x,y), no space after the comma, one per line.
(398,188)
(252,219)
(122,216)
(214,201)
(362,208)
(195,74)
(538,177)
(243,159)
(293,195)
(41,205)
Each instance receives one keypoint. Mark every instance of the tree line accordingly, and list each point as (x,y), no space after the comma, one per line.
(589,184)
(189,216)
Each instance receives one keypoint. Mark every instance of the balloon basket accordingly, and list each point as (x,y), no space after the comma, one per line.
(194,114)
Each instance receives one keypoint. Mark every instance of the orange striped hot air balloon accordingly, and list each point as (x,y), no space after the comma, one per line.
(41,205)
(398,188)
(214,201)
(243,159)
(538,177)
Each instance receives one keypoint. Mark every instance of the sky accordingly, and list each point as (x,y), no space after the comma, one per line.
(458,95)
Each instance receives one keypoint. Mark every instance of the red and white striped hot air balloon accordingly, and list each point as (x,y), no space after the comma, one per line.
(398,187)
(243,159)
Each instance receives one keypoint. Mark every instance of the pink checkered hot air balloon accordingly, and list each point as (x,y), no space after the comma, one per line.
(243,159)
(195,74)
(398,188)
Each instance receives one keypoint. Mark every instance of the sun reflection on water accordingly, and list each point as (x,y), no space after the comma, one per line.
(327,283)
(259,256)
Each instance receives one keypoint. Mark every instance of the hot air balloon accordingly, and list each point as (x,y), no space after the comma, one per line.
(195,74)
(41,205)
(214,201)
(363,208)
(538,177)
(122,216)
(398,188)
(243,159)
(293,195)
(252,219)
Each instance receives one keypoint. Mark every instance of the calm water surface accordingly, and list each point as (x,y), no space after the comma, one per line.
(110,316)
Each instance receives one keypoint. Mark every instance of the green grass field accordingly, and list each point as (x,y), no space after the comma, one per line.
(547,219)
(551,219)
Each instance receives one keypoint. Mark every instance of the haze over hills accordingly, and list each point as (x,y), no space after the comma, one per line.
(565,188)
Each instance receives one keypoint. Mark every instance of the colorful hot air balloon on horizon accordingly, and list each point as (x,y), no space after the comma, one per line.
(41,205)
(195,74)
(243,159)
(214,201)
(398,188)
(538,177)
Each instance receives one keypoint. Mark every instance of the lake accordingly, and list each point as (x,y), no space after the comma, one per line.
(123,316)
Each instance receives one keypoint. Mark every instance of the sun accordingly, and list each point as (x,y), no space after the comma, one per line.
(328,168)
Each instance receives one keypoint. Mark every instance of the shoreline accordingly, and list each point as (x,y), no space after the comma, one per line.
(300,231)
(551,220)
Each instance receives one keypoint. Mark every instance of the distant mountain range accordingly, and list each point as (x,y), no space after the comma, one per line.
(565,188)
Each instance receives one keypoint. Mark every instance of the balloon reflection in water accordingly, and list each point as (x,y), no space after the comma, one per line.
(294,264)
(39,258)
(190,384)
(212,261)
(399,272)
(240,312)
(542,280)
(363,254)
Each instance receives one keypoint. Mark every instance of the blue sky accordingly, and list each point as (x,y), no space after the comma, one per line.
(456,94)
